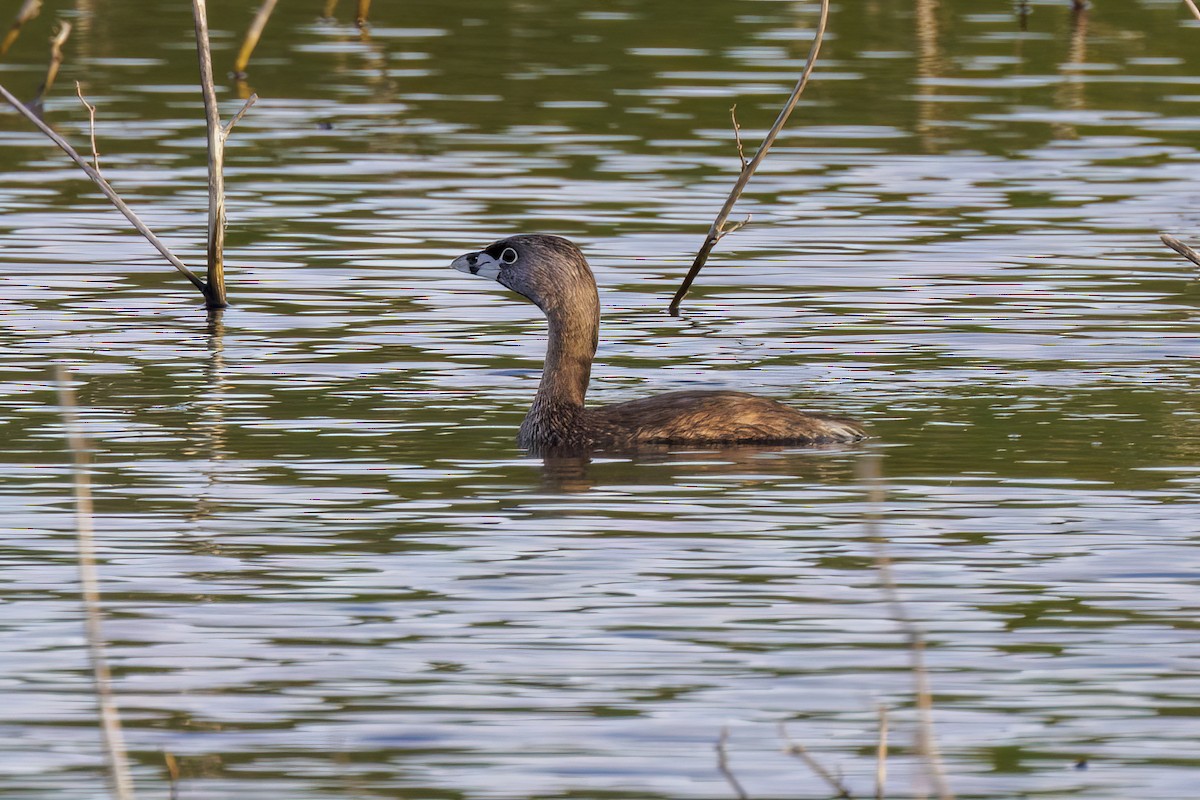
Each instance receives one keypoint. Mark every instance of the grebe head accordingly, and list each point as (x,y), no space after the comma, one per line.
(548,270)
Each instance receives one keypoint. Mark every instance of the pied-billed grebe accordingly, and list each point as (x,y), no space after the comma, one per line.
(552,273)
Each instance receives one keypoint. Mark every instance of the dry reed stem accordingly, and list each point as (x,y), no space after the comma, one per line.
(28,10)
(253,34)
(56,58)
(870,474)
(364,8)
(172,774)
(793,748)
(1181,248)
(106,188)
(717,230)
(89,584)
(215,294)
(723,766)
(881,754)
(1192,5)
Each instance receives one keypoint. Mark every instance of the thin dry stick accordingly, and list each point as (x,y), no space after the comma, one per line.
(870,474)
(215,294)
(28,11)
(723,766)
(56,59)
(717,230)
(364,6)
(91,126)
(1192,6)
(110,720)
(106,188)
(1181,248)
(330,7)
(253,34)
(881,754)
(794,748)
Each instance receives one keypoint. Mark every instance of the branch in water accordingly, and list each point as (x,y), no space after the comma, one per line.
(27,12)
(1181,248)
(56,59)
(106,188)
(253,34)
(718,225)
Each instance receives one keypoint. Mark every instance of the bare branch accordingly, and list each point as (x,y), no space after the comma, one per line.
(714,230)
(870,474)
(1192,5)
(1181,248)
(881,754)
(330,7)
(737,135)
(28,11)
(253,34)
(56,58)
(215,295)
(723,766)
(91,126)
(737,226)
(172,774)
(364,7)
(89,584)
(251,100)
(106,188)
(798,750)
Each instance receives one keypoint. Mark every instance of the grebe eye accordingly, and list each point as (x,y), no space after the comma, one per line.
(509,256)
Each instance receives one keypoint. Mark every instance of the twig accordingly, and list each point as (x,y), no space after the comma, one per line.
(715,230)
(251,100)
(110,720)
(253,34)
(215,294)
(1181,248)
(330,7)
(364,6)
(1192,5)
(723,766)
(881,754)
(91,126)
(28,11)
(737,135)
(869,473)
(106,188)
(796,749)
(56,59)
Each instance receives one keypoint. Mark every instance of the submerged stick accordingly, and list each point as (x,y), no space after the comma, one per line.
(253,34)
(364,6)
(28,11)
(1192,5)
(56,59)
(717,230)
(801,752)
(1181,248)
(723,766)
(89,584)
(106,188)
(215,291)
(869,473)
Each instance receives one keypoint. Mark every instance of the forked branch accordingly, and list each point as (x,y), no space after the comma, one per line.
(106,188)
(717,230)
